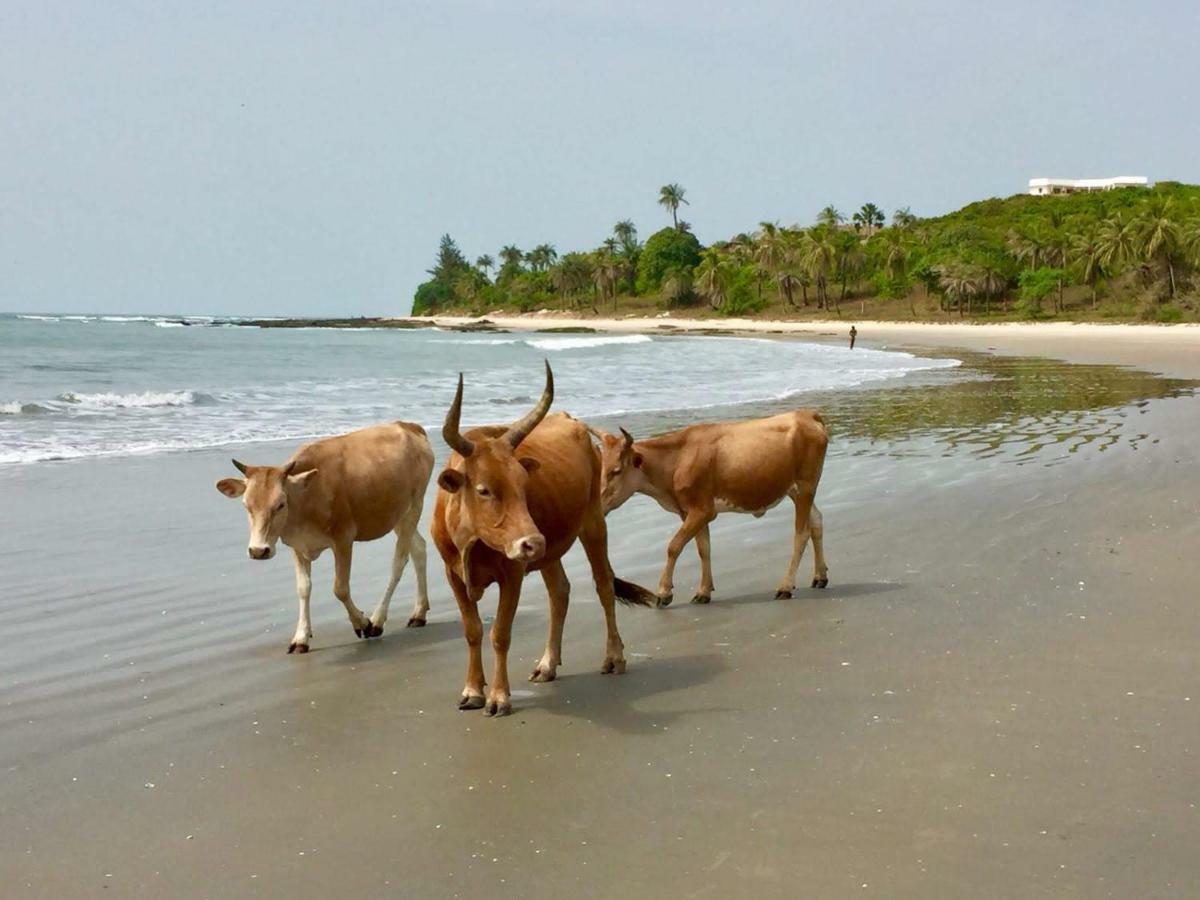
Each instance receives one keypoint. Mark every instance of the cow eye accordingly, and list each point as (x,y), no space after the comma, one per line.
(483,491)
(279,506)
(615,472)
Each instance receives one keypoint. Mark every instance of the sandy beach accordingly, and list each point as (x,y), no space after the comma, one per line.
(996,696)
(1168,349)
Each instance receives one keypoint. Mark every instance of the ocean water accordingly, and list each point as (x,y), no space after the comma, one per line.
(74,387)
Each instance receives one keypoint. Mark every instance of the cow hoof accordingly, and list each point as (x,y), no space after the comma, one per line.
(613,667)
(820,582)
(294,647)
(663,600)
(781,594)
(471,701)
(497,709)
(541,676)
(414,622)
(369,631)
(701,599)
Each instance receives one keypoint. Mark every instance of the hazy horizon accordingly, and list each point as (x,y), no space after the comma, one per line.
(298,159)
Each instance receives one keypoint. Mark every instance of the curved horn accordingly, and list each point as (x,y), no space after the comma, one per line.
(241,467)
(628,438)
(450,431)
(520,429)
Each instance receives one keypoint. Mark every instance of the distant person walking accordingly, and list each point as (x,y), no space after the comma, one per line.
(853,335)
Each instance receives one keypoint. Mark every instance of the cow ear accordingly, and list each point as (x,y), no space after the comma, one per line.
(302,480)
(637,460)
(451,480)
(232,487)
(529,464)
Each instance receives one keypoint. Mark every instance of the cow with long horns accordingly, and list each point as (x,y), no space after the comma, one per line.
(512,500)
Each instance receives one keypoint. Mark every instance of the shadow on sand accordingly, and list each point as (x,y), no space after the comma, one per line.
(617,702)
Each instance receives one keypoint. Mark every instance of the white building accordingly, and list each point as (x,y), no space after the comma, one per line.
(1041,187)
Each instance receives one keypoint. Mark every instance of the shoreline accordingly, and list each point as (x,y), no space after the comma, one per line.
(1172,350)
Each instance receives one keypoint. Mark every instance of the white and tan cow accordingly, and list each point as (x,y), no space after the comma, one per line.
(704,470)
(332,494)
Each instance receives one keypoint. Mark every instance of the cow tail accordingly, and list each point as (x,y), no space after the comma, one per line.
(631,594)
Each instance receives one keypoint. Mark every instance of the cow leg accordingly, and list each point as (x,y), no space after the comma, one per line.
(692,523)
(499,698)
(559,591)
(805,512)
(704,549)
(595,544)
(342,555)
(303,633)
(399,561)
(421,607)
(817,528)
(472,694)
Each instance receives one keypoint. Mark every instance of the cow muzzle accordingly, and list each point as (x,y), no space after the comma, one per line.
(260,552)
(527,549)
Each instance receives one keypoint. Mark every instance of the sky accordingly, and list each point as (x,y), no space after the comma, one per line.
(303,159)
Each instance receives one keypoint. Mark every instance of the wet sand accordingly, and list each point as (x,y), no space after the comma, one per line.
(996,696)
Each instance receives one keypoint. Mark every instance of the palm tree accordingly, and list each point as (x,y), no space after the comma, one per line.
(1118,241)
(572,274)
(769,255)
(903,218)
(895,259)
(1190,238)
(868,218)
(818,254)
(990,282)
(1159,239)
(608,268)
(959,282)
(713,277)
(1027,245)
(830,217)
(511,256)
(485,264)
(671,196)
(677,286)
(626,233)
(541,257)
(1088,253)
(849,258)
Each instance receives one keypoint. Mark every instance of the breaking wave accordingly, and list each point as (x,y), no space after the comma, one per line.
(584,342)
(145,400)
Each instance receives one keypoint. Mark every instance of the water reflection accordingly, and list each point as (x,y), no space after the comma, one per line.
(1014,408)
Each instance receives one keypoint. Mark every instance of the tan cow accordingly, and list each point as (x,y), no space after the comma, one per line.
(512,500)
(704,470)
(333,493)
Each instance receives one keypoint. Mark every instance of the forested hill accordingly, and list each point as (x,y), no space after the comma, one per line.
(1131,253)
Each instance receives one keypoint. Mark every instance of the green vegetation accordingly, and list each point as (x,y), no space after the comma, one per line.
(1125,254)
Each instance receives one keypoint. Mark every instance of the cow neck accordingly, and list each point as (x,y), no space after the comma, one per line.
(658,472)
(311,511)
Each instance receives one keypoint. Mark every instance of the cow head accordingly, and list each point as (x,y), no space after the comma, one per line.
(620,468)
(492,481)
(267,492)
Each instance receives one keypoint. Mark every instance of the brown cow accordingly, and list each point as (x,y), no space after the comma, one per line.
(513,500)
(333,493)
(703,470)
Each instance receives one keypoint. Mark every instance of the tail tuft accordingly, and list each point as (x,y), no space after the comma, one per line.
(631,594)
